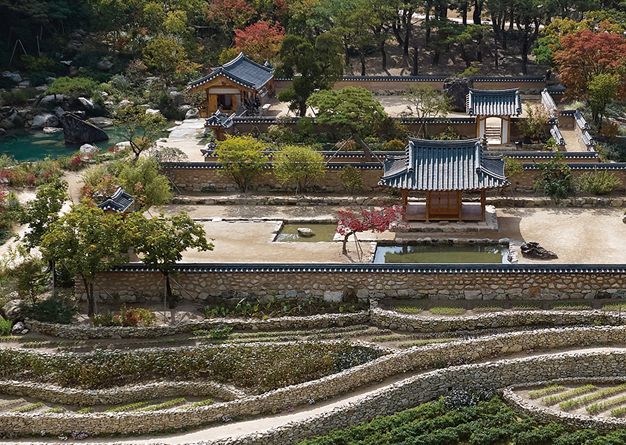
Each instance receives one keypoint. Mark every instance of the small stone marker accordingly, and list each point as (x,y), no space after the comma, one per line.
(306,232)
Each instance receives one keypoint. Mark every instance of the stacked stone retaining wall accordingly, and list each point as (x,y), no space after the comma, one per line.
(411,392)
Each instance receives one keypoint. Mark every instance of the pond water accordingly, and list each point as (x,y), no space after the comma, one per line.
(26,145)
(465,253)
(323,233)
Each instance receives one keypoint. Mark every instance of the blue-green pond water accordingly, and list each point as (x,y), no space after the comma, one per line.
(26,145)
(466,253)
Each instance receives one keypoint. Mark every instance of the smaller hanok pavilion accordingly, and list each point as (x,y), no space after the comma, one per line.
(235,87)
(444,170)
(118,202)
(500,104)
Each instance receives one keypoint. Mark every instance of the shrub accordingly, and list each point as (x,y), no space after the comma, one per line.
(265,367)
(351,178)
(53,310)
(533,126)
(512,167)
(298,165)
(73,86)
(242,159)
(220,333)
(556,179)
(5,327)
(394,145)
(127,317)
(598,182)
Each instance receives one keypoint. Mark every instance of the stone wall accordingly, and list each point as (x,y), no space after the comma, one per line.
(405,394)
(381,318)
(75,332)
(208,176)
(371,281)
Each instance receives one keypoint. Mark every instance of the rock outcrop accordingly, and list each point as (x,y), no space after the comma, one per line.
(45,120)
(78,132)
(534,250)
(457,90)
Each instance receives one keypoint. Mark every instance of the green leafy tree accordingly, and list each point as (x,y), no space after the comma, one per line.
(140,128)
(426,102)
(556,179)
(351,178)
(144,181)
(602,91)
(72,86)
(298,164)
(168,58)
(242,159)
(312,68)
(40,214)
(351,109)
(161,241)
(87,241)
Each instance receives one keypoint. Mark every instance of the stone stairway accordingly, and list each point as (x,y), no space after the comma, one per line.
(494,135)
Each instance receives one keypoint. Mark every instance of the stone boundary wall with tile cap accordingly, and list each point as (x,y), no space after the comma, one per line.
(201,281)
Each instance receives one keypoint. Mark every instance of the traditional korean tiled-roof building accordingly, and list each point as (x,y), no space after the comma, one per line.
(118,202)
(494,103)
(238,84)
(444,170)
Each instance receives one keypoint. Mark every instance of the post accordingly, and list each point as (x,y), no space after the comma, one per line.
(405,202)
(483,203)
(428,206)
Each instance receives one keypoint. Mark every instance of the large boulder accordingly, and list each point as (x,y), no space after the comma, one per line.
(52,100)
(83,104)
(101,122)
(15,77)
(78,132)
(534,250)
(45,120)
(457,90)
(192,113)
(88,149)
(14,310)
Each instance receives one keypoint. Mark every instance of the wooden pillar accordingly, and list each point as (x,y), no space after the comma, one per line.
(459,205)
(427,206)
(483,203)
(405,202)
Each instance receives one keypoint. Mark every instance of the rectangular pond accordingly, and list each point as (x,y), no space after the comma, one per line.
(456,253)
(322,233)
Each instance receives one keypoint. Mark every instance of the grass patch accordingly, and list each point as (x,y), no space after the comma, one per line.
(558,398)
(443,310)
(527,307)
(409,309)
(129,407)
(56,409)
(545,391)
(164,405)
(27,408)
(602,406)
(607,392)
(11,403)
(391,337)
(487,309)
(618,412)
(572,307)
(410,344)
(198,404)
(614,307)
(89,409)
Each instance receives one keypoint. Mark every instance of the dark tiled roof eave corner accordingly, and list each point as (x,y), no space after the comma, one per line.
(240,70)
(120,201)
(444,166)
(494,102)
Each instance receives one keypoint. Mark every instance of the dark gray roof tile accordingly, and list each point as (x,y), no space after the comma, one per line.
(494,102)
(242,71)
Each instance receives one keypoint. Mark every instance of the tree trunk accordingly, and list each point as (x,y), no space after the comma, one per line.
(478,9)
(525,52)
(416,68)
(90,299)
(405,47)
(396,32)
(362,57)
(344,249)
(383,55)
(169,298)
(52,267)
(464,14)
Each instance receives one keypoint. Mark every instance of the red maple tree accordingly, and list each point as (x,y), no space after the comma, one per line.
(376,220)
(585,54)
(230,13)
(260,41)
